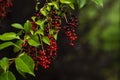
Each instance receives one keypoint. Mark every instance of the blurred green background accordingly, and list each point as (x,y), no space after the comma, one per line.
(103,25)
(98,43)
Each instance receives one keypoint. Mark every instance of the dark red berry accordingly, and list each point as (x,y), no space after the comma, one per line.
(71,44)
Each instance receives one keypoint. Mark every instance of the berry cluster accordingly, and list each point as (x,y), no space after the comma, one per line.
(4,5)
(52,28)
(52,48)
(45,53)
(53,23)
(41,57)
(34,25)
(70,29)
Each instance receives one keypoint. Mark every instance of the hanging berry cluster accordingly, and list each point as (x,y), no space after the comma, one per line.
(70,29)
(4,5)
(40,38)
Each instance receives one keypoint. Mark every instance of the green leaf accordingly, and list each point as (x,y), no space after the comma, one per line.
(7,76)
(50,4)
(55,36)
(39,32)
(25,64)
(52,31)
(17,25)
(4,63)
(73,1)
(20,33)
(32,32)
(18,43)
(46,40)
(48,7)
(98,2)
(81,3)
(44,11)
(72,6)
(36,7)
(56,5)
(33,18)
(6,44)
(27,26)
(35,38)
(41,24)
(33,43)
(9,36)
(65,1)
(26,37)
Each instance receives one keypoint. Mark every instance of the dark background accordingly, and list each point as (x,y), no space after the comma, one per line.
(96,53)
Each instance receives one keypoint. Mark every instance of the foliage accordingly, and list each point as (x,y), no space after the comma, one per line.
(35,43)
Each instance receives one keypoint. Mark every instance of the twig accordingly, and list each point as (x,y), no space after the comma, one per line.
(13,59)
(65,18)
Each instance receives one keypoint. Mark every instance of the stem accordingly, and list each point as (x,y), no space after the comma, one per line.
(17,46)
(65,18)
(13,59)
(49,27)
(21,40)
(41,42)
(36,61)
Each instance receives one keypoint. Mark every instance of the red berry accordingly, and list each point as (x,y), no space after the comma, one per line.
(49,19)
(71,44)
